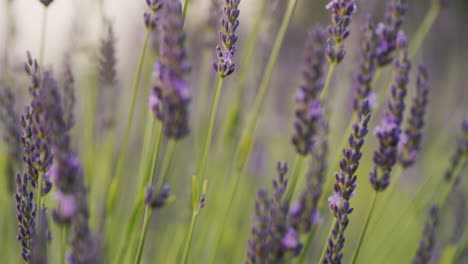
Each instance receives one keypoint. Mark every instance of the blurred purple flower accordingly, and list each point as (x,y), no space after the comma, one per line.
(170,96)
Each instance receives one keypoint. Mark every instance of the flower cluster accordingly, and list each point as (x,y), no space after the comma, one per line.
(389,131)
(427,242)
(26,215)
(345,186)
(10,121)
(36,147)
(225,52)
(107,79)
(170,96)
(67,175)
(339,30)
(150,18)
(388,31)
(274,239)
(157,200)
(412,136)
(366,67)
(309,110)
(69,98)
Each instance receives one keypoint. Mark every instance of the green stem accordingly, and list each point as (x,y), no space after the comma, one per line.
(148,209)
(244,147)
(63,243)
(231,125)
(209,136)
(364,228)
(167,161)
(307,245)
(138,207)
(184,10)
(135,87)
(412,205)
(202,166)
(248,54)
(144,230)
(43,40)
(39,197)
(331,70)
(389,194)
(297,168)
(188,239)
(424,29)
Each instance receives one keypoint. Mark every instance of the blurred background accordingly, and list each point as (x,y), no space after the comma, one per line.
(76,29)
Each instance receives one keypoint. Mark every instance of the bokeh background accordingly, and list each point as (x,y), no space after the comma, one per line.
(77,28)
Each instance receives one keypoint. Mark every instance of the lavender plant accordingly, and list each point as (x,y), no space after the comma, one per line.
(151,167)
(274,239)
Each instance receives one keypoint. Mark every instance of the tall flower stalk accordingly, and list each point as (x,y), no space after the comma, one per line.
(344,188)
(274,239)
(388,133)
(150,20)
(224,67)
(338,31)
(309,113)
(168,101)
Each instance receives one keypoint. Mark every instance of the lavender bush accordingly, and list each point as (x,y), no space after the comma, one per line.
(145,131)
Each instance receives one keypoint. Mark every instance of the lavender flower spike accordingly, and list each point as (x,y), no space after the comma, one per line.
(345,186)
(26,215)
(426,244)
(107,80)
(67,175)
(388,31)
(389,131)
(411,139)
(366,68)
(274,239)
(339,30)
(150,17)
(170,96)
(225,52)
(308,112)
(258,247)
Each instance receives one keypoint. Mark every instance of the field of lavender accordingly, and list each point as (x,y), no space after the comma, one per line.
(233,131)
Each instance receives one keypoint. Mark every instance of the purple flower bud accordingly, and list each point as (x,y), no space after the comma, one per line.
(225,51)
(339,31)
